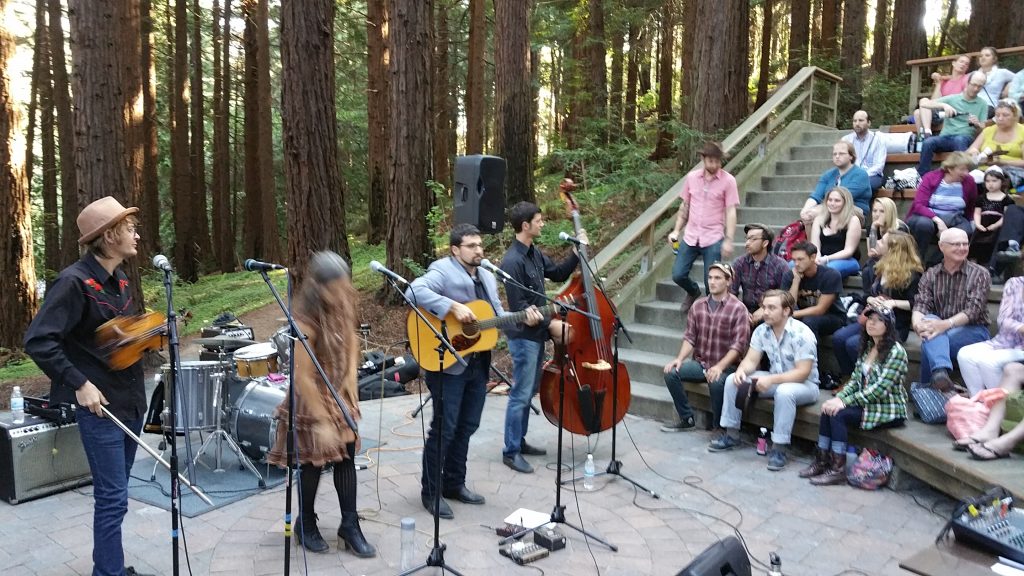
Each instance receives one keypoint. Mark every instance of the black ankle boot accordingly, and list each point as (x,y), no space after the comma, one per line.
(351,536)
(307,534)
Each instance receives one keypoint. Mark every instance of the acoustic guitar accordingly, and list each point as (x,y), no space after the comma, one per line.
(479,336)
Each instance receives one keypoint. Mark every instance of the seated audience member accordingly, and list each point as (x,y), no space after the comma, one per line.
(965,114)
(945,85)
(987,443)
(988,216)
(843,173)
(945,199)
(951,308)
(868,147)
(758,270)
(836,233)
(884,219)
(792,380)
(1016,90)
(997,80)
(982,364)
(875,398)
(893,286)
(815,290)
(717,332)
(1001,144)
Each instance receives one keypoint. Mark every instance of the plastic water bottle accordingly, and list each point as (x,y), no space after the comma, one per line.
(408,543)
(762,442)
(588,473)
(17,406)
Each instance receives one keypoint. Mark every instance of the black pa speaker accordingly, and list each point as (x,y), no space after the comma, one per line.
(479,193)
(723,558)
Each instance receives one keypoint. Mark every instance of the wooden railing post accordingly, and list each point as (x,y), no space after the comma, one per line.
(915,86)
(647,261)
(834,105)
(809,106)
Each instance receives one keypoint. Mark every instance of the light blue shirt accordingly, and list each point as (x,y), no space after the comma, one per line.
(1017,86)
(870,152)
(797,343)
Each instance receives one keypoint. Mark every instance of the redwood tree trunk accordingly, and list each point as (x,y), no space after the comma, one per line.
(666,56)
(766,54)
(475,78)
(51,207)
(615,84)
(829,21)
(185,248)
(596,69)
(65,136)
(313,186)
(720,72)
(378,117)
(513,97)
(252,240)
(265,148)
(880,34)
(632,80)
(908,35)
(799,35)
(197,149)
(851,59)
(223,228)
(150,206)
(443,111)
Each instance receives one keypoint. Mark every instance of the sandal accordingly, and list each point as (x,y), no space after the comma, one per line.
(981,451)
(962,444)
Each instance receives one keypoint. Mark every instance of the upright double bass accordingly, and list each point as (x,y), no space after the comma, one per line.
(597,393)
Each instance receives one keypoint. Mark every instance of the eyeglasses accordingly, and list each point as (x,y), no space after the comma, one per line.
(755,238)
(957,244)
(473,246)
(976,85)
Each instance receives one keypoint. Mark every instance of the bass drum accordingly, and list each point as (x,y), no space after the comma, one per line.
(253,425)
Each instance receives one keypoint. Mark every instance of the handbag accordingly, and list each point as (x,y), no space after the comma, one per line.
(929,403)
(965,416)
(871,471)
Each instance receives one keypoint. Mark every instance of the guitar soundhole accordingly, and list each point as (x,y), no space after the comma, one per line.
(463,342)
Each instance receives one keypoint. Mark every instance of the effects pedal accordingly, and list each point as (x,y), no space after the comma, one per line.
(550,537)
(508,530)
(523,553)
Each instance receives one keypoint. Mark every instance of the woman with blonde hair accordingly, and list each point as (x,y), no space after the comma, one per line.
(892,284)
(836,232)
(884,219)
(945,199)
(1001,144)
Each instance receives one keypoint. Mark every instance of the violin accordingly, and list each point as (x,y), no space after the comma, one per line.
(124,339)
(597,394)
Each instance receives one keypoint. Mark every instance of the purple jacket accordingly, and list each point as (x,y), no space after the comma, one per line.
(929,183)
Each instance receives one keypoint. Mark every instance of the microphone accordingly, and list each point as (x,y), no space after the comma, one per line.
(256,266)
(490,267)
(569,238)
(160,261)
(378,267)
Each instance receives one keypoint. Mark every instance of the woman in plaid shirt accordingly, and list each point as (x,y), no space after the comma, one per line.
(875,397)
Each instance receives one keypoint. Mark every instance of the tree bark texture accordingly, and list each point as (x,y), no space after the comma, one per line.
(38,51)
(988,25)
(252,237)
(409,137)
(444,131)
(666,56)
(513,97)
(851,59)
(313,187)
(378,116)
(186,252)
(18,298)
(799,35)
(47,125)
(908,35)
(829,20)
(632,80)
(597,71)
(880,35)
(615,83)
(766,53)
(223,228)
(475,77)
(720,72)
(65,136)
(270,230)
(197,145)
(150,205)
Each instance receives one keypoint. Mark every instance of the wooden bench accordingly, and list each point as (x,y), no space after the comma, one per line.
(908,159)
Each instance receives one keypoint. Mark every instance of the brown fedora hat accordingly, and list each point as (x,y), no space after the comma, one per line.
(100,216)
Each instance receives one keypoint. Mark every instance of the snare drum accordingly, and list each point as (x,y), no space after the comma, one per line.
(282,340)
(197,395)
(252,422)
(255,360)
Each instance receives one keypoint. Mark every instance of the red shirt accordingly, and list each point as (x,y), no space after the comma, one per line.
(713,334)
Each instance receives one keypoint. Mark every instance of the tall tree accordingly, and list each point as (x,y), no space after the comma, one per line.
(444,112)
(18,298)
(150,205)
(663,149)
(766,53)
(880,36)
(65,135)
(908,35)
(409,139)
(38,51)
(632,78)
(513,100)
(47,122)
(197,145)
(265,144)
(951,11)
(829,20)
(988,23)
(615,84)
(313,186)
(185,252)
(851,59)
(223,229)
(252,239)
(799,35)
(378,117)
(720,72)
(475,78)
(597,72)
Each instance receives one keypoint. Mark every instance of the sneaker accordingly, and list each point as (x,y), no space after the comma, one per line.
(723,443)
(776,459)
(1011,254)
(941,380)
(680,425)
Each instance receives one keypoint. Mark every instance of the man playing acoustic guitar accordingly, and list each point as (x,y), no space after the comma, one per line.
(529,266)
(443,291)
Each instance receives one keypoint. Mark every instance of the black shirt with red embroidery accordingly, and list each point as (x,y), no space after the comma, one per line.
(62,337)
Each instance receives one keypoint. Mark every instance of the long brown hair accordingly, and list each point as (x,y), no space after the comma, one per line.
(333,320)
(896,268)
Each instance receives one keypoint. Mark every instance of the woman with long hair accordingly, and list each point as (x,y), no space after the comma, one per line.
(892,284)
(884,219)
(836,233)
(873,399)
(325,311)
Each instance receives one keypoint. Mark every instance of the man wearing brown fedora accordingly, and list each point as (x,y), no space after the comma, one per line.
(62,341)
(708,215)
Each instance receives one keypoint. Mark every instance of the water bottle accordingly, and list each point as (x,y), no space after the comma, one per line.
(762,442)
(408,543)
(588,473)
(17,406)
(912,143)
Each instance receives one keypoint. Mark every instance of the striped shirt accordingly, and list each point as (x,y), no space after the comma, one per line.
(712,333)
(879,390)
(944,294)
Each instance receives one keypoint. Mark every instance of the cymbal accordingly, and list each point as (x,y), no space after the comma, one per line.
(224,342)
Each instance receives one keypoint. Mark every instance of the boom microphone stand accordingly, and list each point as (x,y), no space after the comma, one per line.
(172,348)
(436,557)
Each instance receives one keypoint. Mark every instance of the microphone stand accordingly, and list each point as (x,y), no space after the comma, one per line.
(172,348)
(501,376)
(436,557)
(614,465)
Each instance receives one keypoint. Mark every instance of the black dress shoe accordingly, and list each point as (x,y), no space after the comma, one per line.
(518,463)
(527,450)
(445,511)
(130,571)
(464,495)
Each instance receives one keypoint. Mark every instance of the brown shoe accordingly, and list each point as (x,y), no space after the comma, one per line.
(688,300)
(821,463)
(836,474)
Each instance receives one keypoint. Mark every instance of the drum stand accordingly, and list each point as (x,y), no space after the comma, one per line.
(219,434)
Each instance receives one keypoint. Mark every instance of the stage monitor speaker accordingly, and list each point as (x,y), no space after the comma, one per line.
(723,558)
(479,192)
(39,458)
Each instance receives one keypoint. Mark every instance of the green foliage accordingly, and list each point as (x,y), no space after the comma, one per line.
(887,97)
(615,169)
(437,217)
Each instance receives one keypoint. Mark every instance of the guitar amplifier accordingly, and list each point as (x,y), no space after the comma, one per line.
(39,458)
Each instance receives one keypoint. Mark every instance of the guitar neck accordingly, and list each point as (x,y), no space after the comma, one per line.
(513,318)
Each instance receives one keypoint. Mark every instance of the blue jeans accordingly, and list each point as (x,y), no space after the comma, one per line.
(845,266)
(692,371)
(460,398)
(527,358)
(938,352)
(684,261)
(940,144)
(846,346)
(110,453)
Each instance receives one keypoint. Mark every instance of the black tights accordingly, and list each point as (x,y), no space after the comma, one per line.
(344,484)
